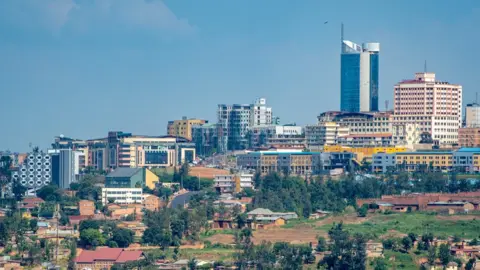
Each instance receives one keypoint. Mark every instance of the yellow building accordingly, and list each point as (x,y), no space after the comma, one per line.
(183,128)
(366,152)
(151,179)
(413,161)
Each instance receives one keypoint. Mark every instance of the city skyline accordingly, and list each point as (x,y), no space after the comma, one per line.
(61,75)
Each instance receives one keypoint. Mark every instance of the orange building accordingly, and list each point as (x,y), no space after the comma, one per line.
(105,258)
(469,137)
(86,208)
(152,202)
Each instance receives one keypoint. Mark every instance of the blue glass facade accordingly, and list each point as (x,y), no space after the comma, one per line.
(350,82)
(374,70)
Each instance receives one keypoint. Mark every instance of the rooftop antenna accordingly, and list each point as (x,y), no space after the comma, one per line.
(476,97)
(341,37)
(425,66)
(386,105)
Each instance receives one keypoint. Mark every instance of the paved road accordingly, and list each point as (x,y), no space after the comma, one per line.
(182,199)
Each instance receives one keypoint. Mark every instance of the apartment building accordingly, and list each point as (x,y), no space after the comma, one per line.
(469,137)
(350,129)
(434,106)
(183,128)
(233,183)
(276,135)
(472,115)
(233,122)
(300,163)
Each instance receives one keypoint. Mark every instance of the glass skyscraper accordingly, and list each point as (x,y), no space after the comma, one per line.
(359,76)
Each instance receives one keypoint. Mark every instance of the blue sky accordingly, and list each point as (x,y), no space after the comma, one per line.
(84,67)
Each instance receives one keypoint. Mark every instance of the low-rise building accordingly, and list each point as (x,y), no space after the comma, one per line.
(299,163)
(105,258)
(122,195)
(31,203)
(233,183)
(131,178)
(152,202)
(469,137)
(86,208)
(450,207)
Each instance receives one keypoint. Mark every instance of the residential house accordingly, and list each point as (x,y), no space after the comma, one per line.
(31,203)
(261,218)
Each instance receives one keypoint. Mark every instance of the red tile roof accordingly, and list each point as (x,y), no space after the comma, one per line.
(32,200)
(117,255)
(127,256)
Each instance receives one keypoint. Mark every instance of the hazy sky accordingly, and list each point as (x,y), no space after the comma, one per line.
(84,67)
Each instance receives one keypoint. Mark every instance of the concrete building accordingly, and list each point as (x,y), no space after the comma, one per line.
(359,76)
(127,150)
(152,202)
(122,195)
(350,129)
(183,128)
(461,160)
(299,163)
(131,178)
(35,172)
(260,114)
(233,183)
(276,135)
(66,166)
(205,138)
(469,137)
(233,122)
(472,115)
(434,106)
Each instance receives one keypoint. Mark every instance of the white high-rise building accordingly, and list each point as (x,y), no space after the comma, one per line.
(233,122)
(260,114)
(472,115)
(431,106)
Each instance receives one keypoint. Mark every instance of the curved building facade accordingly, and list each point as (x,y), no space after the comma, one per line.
(359,76)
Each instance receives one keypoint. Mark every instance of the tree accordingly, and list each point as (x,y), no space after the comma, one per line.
(33,225)
(470,264)
(192,264)
(92,237)
(123,237)
(407,243)
(49,193)
(379,264)
(362,211)
(431,255)
(346,252)
(412,237)
(321,244)
(444,254)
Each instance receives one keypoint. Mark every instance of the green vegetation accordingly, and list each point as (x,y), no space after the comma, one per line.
(418,223)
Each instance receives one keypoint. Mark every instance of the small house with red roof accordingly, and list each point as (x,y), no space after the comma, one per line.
(31,203)
(105,258)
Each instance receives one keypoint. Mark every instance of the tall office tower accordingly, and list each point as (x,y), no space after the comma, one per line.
(359,76)
(428,106)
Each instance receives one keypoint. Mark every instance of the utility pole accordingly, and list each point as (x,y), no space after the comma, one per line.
(57,216)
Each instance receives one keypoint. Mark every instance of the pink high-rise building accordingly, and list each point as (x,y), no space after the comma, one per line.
(427,105)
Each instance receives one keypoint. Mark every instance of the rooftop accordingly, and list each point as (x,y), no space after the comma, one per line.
(124,172)
(108,254)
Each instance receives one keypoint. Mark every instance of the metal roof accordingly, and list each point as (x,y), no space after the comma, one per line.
(124,172)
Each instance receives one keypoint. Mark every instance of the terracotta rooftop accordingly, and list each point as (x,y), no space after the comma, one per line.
(32,200)
(117,255)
